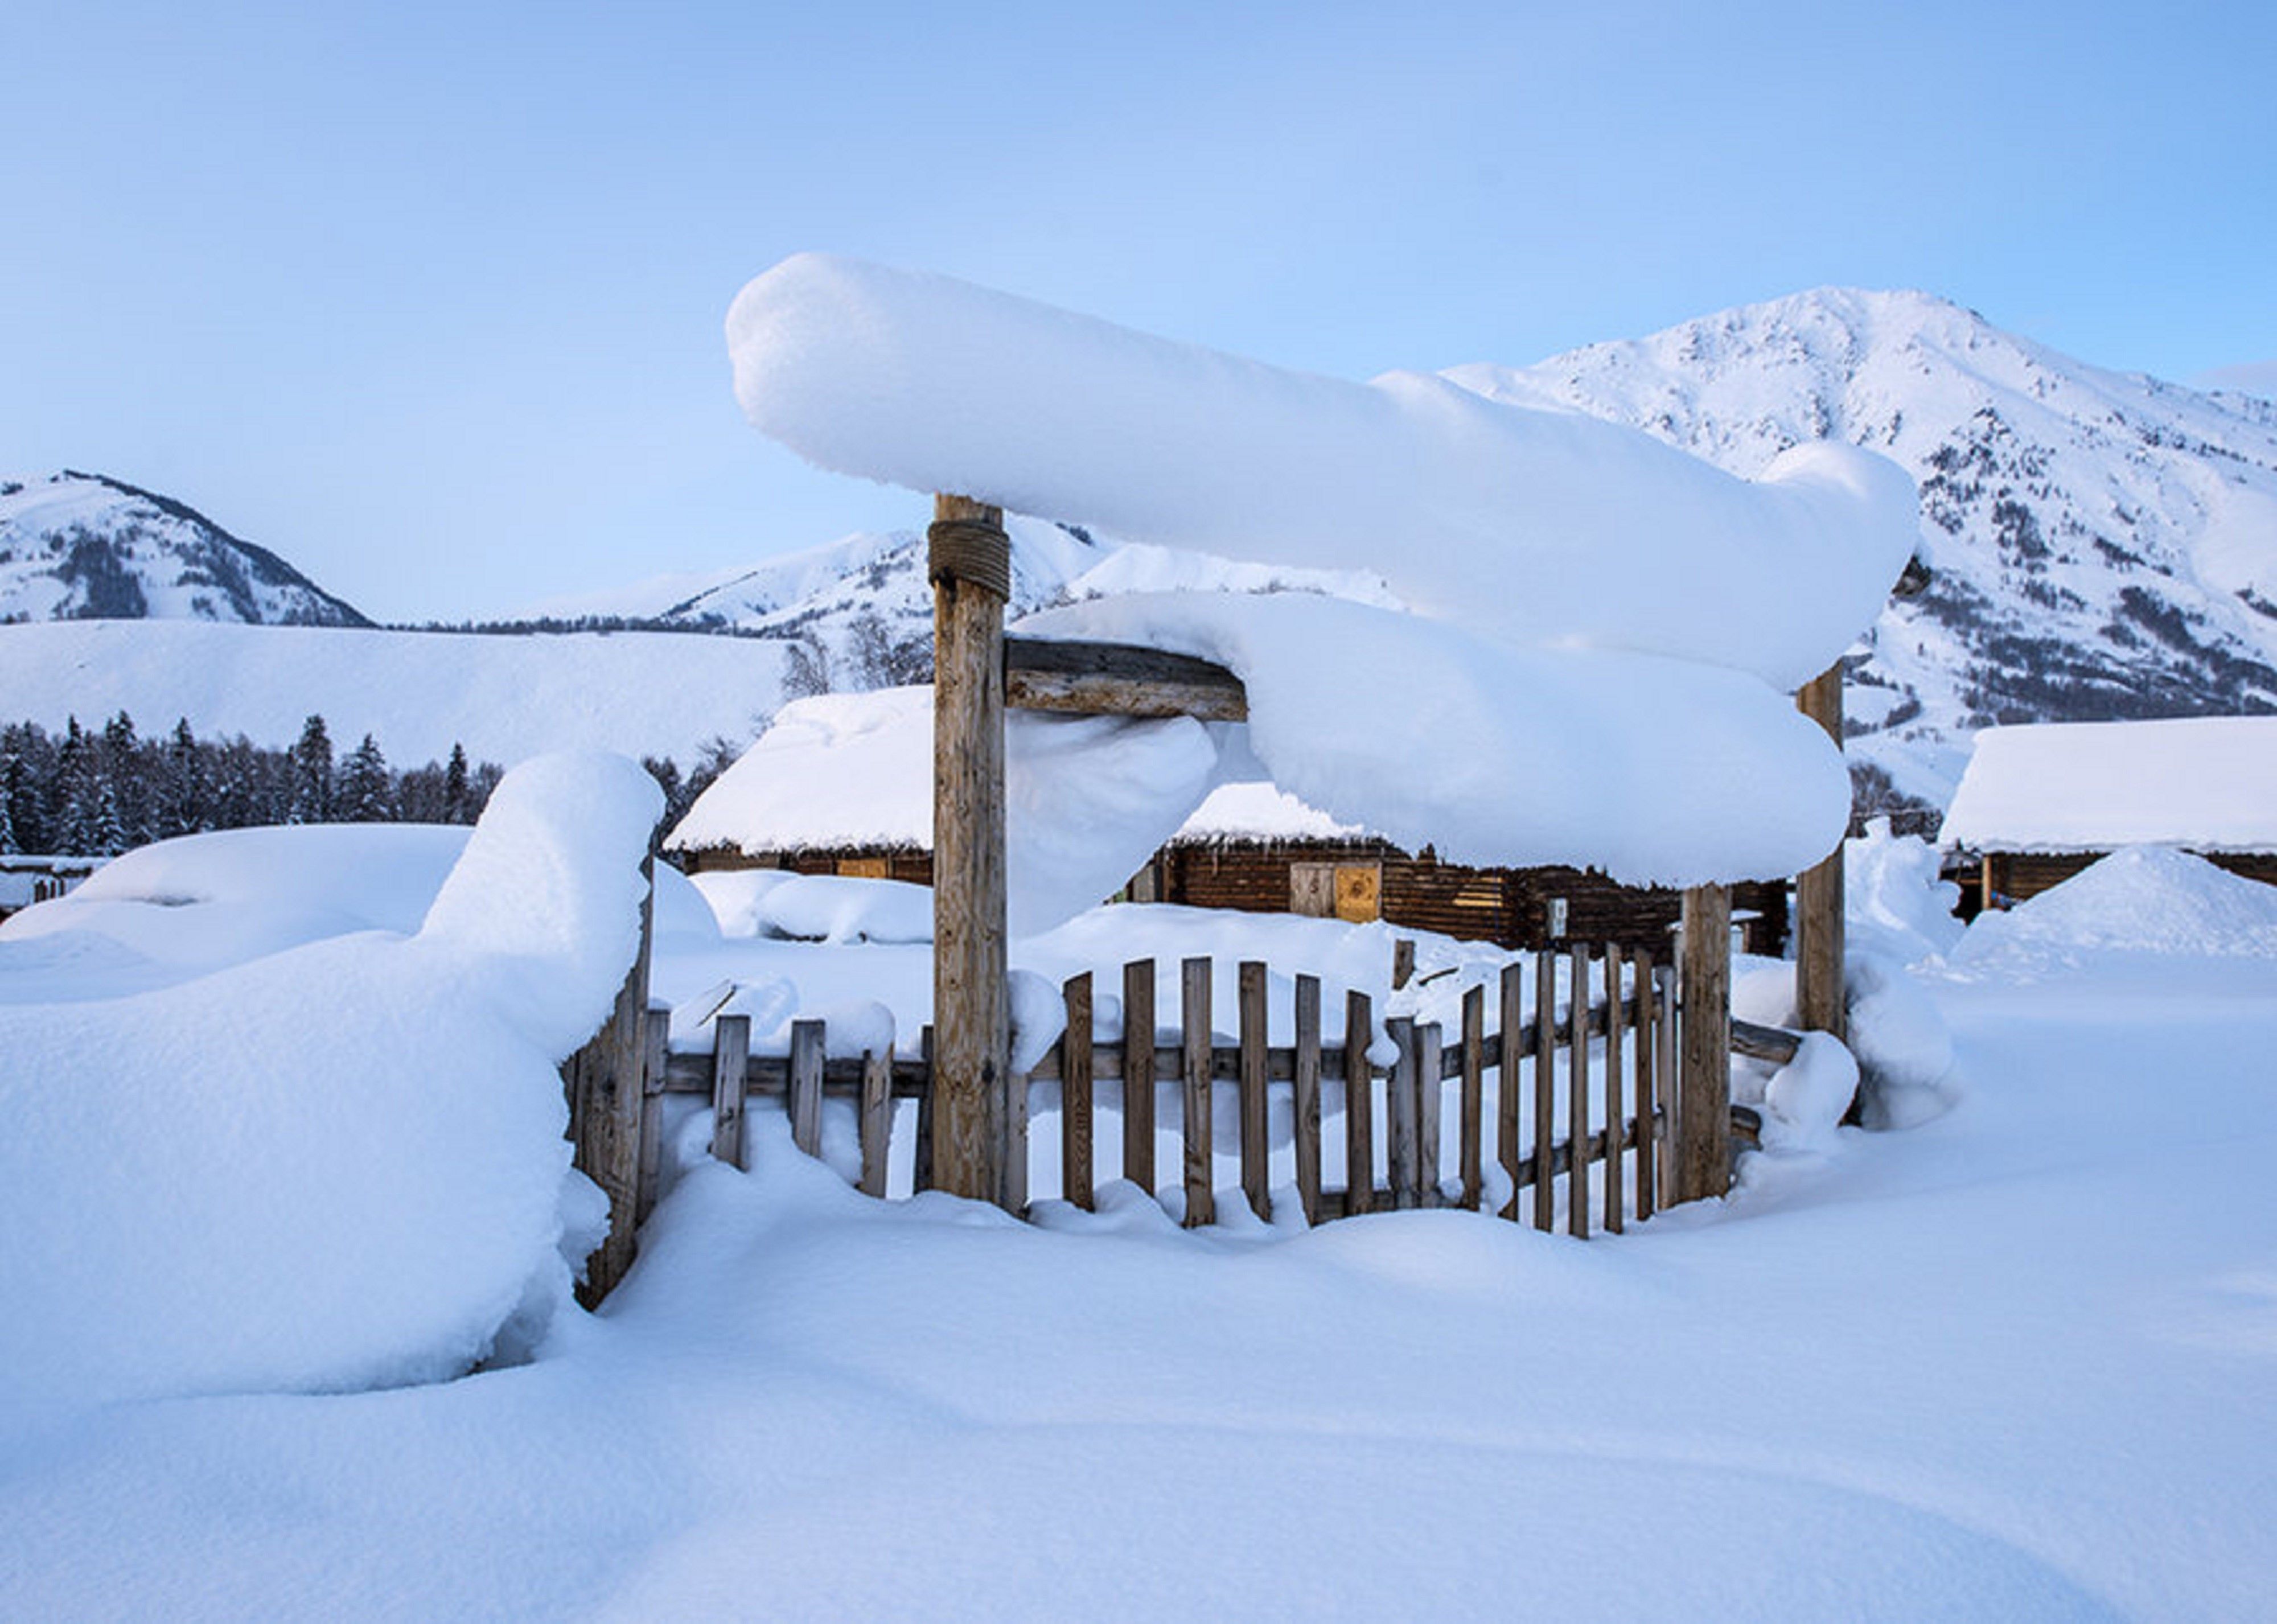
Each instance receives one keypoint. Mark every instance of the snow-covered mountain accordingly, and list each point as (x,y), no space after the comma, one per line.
(84,546)
(2105,545)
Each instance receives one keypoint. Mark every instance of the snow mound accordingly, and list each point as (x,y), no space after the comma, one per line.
(2142,899)
(838,909)
(337,1166)
(1895,898)
(1527,524)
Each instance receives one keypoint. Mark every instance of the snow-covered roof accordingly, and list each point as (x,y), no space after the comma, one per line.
(1259,812)
(2209,783)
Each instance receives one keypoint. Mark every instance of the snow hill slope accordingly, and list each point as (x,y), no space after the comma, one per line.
(2105,545)
(86,546)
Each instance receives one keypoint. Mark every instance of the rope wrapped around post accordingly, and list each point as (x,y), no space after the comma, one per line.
(972,552)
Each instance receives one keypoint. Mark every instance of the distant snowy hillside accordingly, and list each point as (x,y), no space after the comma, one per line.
(84,546)
(505,698)
(2105,545)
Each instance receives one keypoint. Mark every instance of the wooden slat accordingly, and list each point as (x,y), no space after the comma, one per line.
(877,1118)
(1473,1151)
(1118,679)
(1545,1086)
(1402,962)
(1614,1084)
(1703,1084)
(921,1177)
(1577,1093)
(654,1071)
(1138,1074)
(1194,1072)
(1664,1074)
(1511,1048)
(1647,1034)
(1399,1097)
(1012,1181)
(1775,1044)
(1075,1092)
(731,1047)
(1308,1096)
(806,1039)
(1256,1172)
(1430,1058)
(1359,1104)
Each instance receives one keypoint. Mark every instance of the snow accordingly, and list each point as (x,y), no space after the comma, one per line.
(333,1164)
(838,909)
(1895,895)
(503,697)
(1529,525)
(1088,799)
(1499,756)
(1251,811)
(2207,782)
(2143,900)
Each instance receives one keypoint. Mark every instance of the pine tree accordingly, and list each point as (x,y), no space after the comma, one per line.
(124,768)
(180,802)
(366,794)
(9,769)
(455,808)
(106,827)
(70,829)
(310,799)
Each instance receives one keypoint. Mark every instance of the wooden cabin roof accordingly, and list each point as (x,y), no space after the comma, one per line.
(2207,784)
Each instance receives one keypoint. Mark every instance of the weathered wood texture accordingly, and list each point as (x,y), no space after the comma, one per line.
(1195,1072)
(1138,1074)
(1818,932)
(731,1055)
(1359,1104)
(1075,1092)
(971,1011)
(1305,1065)
(607,1100)
(1256,1185)
(1118,680)
(1704,1118)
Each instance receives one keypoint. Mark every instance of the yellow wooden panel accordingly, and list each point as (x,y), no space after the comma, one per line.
(862,868)
(1359,892)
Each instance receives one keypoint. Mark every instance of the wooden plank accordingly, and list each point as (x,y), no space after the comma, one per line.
(1194,1073)
(1359,1104)
(1138,1074)
(1256,1172)
(1511,1049)
(971,1009)
(1664,1074)
(731,1047)
(1305,1063)
(1012,1181)
(806,1041)
(1118,679)
(1775,1044)
(607,1097)
(1430,1062)
(1614,1084)
(1472,1167)
(1703,1083)
(1819,909)
(654,1069)
(1647,1149)
(877,1118)
(1545,1086)
(1402,962)
(1075,1092)
(1576,1092)
(921,1173)
(1399,1100)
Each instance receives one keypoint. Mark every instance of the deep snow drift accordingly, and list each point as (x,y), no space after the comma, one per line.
(335,1165)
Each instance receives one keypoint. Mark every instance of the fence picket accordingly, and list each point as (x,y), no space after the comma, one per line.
(877,1118)
(1138,1074)
(731,1047)
(1194,1027)
(1429,1060)
(1646,1141)
(1400,1113)
(1663,1070)
(1472,1169)
(1306,1072)
(806,1085)
(1255,1171)
(1075,1093)
(1613,1112)
(651,1121)
(921,1177)
(1545,1087)
(1359,1105)
(1577,1094)
(1511,1050)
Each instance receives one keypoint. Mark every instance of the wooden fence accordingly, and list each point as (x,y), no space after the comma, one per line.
(1562,1085)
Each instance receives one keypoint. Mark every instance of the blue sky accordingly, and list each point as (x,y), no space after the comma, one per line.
(428,298)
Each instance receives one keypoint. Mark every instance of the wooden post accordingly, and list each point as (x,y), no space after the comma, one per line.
(1307,1079)
(606,1094)
(1613,1081)
(1400,1095)
(1703,1080)
(1819,943)
(731,1051)
(807,1039)
(877,1118)
(1545,1085)
(1075,1093)
(969,566)
(1471,1155)
(1359,1105)
(1195,1066)
(1138,1074)
(1577,1093)
(1256,1177)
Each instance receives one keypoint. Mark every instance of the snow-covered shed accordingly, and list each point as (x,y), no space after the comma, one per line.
(842,783)
(2038,804)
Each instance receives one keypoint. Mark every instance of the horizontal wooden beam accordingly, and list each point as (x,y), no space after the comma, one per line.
(1118,679)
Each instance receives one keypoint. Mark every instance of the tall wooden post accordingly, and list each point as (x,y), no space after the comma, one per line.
(969,564)
(1818,937)
(1703,1079)
(608,1091)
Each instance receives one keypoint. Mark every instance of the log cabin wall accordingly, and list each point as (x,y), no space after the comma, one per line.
(2018,876)
(906,863)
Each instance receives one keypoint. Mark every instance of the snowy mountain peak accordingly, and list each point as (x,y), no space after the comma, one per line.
(86,546)
(2105,545)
